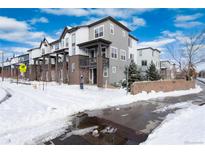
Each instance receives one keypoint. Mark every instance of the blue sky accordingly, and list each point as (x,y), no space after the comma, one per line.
(21,29)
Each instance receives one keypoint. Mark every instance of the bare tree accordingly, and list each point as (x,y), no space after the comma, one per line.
(187,52)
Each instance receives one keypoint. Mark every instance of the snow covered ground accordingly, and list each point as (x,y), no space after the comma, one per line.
(202,79)
(186,126)
(31,113)
(2,94)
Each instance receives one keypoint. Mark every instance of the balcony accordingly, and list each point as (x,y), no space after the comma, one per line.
(92,62)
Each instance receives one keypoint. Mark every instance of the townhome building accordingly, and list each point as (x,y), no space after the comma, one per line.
(146,56)
(167,69)
(99,52)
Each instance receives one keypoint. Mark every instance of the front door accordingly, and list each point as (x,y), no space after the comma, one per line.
(95,76)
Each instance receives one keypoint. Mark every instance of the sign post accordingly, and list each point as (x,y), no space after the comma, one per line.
(22,69)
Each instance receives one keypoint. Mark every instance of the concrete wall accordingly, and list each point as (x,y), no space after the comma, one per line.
(165,86)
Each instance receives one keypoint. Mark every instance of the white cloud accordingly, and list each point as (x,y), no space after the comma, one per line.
(19,31)
(158,43)
(188,21)
(10,24)
(135,23)
(39,20)
(114,12)
(188,24)
(68,11)
(182,18)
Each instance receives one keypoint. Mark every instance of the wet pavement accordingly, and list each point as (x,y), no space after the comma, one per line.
(132,123)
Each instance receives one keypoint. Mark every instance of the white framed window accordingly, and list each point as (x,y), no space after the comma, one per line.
(73,50)
(73,67)
(99,31)
(43,51)
(112,29)
(152,53)
(114,53)
(123,33)
(57,46)
(144,62)
(67,42)
(73,38)
(122,54)
(105,72)
(129,42)
(62,44)
(140,53)
(132,56)
(114,69)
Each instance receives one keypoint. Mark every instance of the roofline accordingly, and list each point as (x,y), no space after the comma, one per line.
(149,48)
(113,20)
(136,39)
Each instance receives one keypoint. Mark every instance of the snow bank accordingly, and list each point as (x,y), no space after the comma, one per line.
(32,112)
(2,94)
(184,127)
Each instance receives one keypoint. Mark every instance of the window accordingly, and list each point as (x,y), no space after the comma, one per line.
(67,42)
(73,39)
(62,44)
(152,53)
(99,32)
(104,52)
(105,72)
(131,56)
(73,50)
(140,53)
(112,29)
(144,63)
(129,42)
(114,69)
(57,46)
(43,51)
(73,67)
(122,54)
(114,53)
(123,33)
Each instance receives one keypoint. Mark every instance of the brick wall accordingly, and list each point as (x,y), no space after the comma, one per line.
(165,86)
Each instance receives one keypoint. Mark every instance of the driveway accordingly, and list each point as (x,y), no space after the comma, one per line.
(134,122)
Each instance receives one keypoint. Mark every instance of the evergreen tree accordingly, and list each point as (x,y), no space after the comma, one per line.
(132,75)
(152,73)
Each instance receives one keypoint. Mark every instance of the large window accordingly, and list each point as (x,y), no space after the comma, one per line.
(112,29)
(73,38)
(43,51)
(57,46)
(67,42)
(99,31)
(122,54)
(105,72)
(144,63)
(131,56)
(140,53)
(73,50)
(114,53)
(129,42)
(152,53)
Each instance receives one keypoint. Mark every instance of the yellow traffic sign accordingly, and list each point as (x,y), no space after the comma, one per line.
(22,68)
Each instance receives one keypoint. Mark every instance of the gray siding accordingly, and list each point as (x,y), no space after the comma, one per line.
(119,42)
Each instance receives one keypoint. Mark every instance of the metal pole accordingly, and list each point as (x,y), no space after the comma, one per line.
(127,77)
(2,69)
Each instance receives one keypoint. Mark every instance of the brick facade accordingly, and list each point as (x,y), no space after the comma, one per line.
(165,86)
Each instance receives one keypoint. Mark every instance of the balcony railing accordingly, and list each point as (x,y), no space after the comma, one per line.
(91,62)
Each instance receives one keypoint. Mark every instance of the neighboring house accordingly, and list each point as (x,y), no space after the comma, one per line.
(167,70)
(202,74)
(145,56)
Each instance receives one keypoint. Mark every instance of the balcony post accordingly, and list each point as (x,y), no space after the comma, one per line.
(99,67)
(49,68)
(56,68)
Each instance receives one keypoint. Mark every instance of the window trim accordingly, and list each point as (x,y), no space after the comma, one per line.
(111,25)
(121,50)
(107,69)
(111,52)
(97,28)
(114,67)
